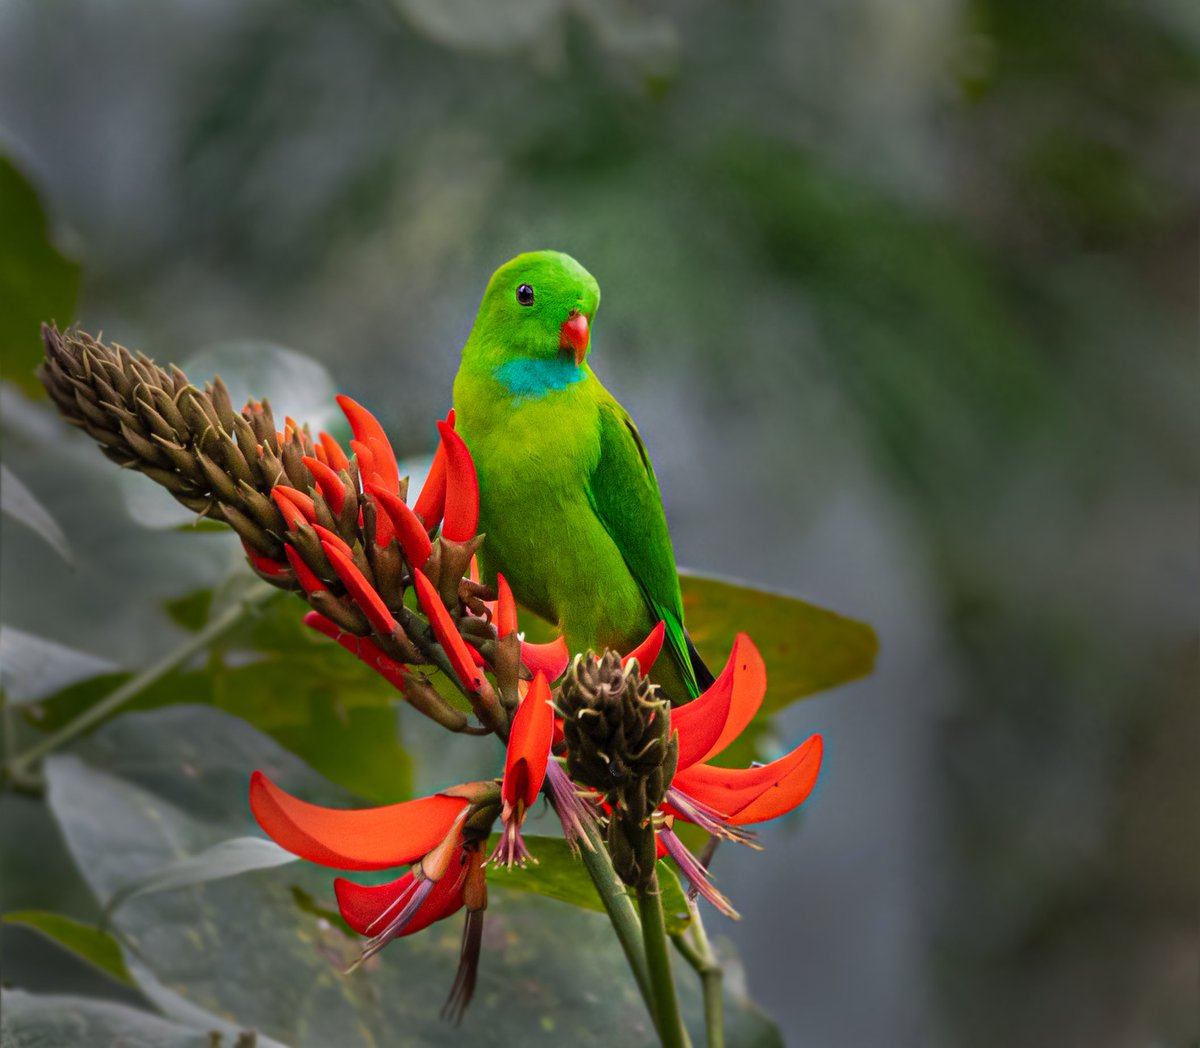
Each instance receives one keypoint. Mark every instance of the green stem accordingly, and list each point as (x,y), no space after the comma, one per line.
(701,957)
(658,964)
(253,598)
(619,907)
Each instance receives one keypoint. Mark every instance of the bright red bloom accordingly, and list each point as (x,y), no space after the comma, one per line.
(409,530)
(432,504)
(462,488)
(364,839)
(551,658)
(364,594)
(448,636)
(720,800)
(524,768)
(369,434)
(427,833)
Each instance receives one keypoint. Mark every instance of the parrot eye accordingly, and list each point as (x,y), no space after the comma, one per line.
(525,295)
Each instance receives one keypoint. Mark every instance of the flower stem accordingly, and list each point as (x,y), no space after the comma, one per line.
(255,596)
(658,964)
(619,907)
(701,957)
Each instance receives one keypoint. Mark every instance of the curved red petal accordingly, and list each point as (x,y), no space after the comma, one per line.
(363,592)
(363,905)
(414,540)
(366,462)
(505,619)
(361,648)
(431,503)
(710,723)
(334,455)
(551,658)
(267,565)
(648,650)
(296,507)
(529,745)
(334,539)
(328,481)
(462,488)
(304,574)
(368,431)
(362,839)
(749,795)
(449,637)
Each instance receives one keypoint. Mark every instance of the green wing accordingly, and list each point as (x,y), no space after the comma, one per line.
(624,495)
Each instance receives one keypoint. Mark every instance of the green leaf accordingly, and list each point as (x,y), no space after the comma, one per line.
(560,875)
(32,667)
(63,1021)
(36,282)
(18,502)
(94,945)
(171,782)
(805,647)
(223,859)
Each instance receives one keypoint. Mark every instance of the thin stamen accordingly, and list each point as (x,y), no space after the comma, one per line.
(574,811)
(707,819)
(696,874)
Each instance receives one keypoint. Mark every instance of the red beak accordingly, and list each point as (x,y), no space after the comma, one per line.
(574,335)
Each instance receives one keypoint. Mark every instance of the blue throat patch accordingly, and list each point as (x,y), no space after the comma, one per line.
(535,378)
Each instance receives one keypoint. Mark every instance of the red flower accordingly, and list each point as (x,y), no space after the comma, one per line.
(428,833)
(721,800)
(524,768)
(551,658)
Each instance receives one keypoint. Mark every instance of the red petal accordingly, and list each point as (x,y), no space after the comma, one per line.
(266,565)
(749,795)
(334,454)
(362,839)
(296,507)
(505,619)
(710,723)
(385,530)
(328,481)
(360,647)
(449,638)
(304,574)
(367,430)
(325,535)
(364,594)
(362,905)
(462,488)
(529,745)
(366,462)
(648,650)
(414,539)
(551,658)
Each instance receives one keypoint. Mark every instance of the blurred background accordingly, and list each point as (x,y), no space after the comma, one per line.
(903,298)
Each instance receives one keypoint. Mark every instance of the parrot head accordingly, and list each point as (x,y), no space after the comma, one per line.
(539,307)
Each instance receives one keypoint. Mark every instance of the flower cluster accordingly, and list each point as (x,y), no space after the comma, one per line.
(335,525)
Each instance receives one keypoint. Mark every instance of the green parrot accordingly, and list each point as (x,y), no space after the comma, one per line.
(568,499)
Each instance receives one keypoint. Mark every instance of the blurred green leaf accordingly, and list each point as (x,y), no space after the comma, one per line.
(32,668)
(169,782)
(560,875)
(94,945)
(224,859)
(18,502)
(62,1021)
(36,282)
(806,648)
